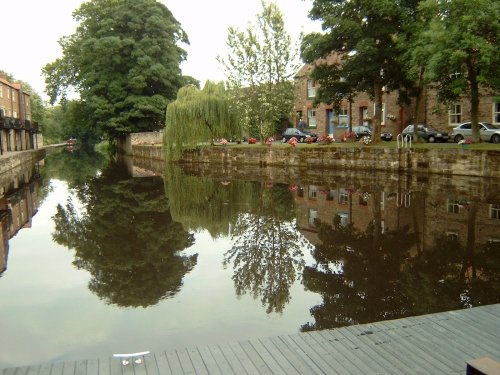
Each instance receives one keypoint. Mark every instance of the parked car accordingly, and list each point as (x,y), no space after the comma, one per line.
(488,132)
(426,133)
(300,135)
(365,131)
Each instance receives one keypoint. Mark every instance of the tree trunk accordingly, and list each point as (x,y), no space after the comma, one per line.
(418,100)
(474,98)
(377,117)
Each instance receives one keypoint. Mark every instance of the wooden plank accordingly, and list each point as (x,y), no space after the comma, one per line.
(115,366)
(81,368)
(469,333)
(296,340)
(185,361)
(139,365)
(104,366)
(33,370)
(238,360)
(69,368)
(388,362)
(332,360)
(151,366)
(174,362)
(296,359)
(271,361)
(93,367)
(213,366)
(427,359)
(446,343)
(456,337)
(267,347)
(208,360)
(450,357)
(354,345)
(220,359)
(345,356)
(250,351)
(160,363)
(481,320)
(197,361)
(382,342)
(45,369)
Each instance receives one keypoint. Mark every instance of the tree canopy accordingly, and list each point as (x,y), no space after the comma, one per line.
(198,116)
(464,36)
(363,34)
(259,67)
(123,61)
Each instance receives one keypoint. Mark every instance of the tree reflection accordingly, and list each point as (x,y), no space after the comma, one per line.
(453,275)
(370,275)
(267,252)
(206,203)
(126,239)
(357,273)
(266,255)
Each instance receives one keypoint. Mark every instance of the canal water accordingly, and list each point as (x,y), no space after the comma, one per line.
(101,256)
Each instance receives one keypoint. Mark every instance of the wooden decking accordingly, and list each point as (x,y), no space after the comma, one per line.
(430,344)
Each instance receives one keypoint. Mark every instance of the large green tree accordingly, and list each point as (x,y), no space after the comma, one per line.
(363,33)
(259,68)
(124,62)
(465,38)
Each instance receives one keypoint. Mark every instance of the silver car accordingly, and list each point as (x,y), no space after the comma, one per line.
(488,132)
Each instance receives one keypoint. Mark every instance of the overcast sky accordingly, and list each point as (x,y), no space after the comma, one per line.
(32,29)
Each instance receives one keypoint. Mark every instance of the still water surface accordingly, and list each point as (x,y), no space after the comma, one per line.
(119,260)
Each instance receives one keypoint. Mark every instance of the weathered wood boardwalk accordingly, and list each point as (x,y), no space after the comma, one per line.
(430,344)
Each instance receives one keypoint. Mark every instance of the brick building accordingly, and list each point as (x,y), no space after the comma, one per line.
(17,130)
(324,120)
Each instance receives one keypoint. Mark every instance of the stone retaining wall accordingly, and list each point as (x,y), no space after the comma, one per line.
(442,161)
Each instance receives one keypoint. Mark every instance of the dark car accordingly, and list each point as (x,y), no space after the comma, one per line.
(300,135)
(426,133)
(365,131)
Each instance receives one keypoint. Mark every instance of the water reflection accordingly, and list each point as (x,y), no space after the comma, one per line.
(384,247)
(125,238)
(19,201)
(267,249)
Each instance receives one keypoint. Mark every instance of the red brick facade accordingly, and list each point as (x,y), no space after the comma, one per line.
(324,120)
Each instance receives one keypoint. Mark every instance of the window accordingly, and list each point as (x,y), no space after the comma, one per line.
(343,118)
(313,216)
(311,89)
(453,236)
(383,113)
(496,113)
(454,207)
(8,93)
(1,91)
(14,114)
(13,96)
(313,191)
(342,217)
(455,114)
(311,118)
(494,211)
(343,196)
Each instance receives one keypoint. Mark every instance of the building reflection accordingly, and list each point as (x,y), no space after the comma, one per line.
(18,205)
(429,215)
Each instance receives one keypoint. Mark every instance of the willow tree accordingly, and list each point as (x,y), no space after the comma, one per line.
(197,117)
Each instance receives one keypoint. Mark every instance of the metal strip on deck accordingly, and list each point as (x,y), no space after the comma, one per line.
(438,343)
